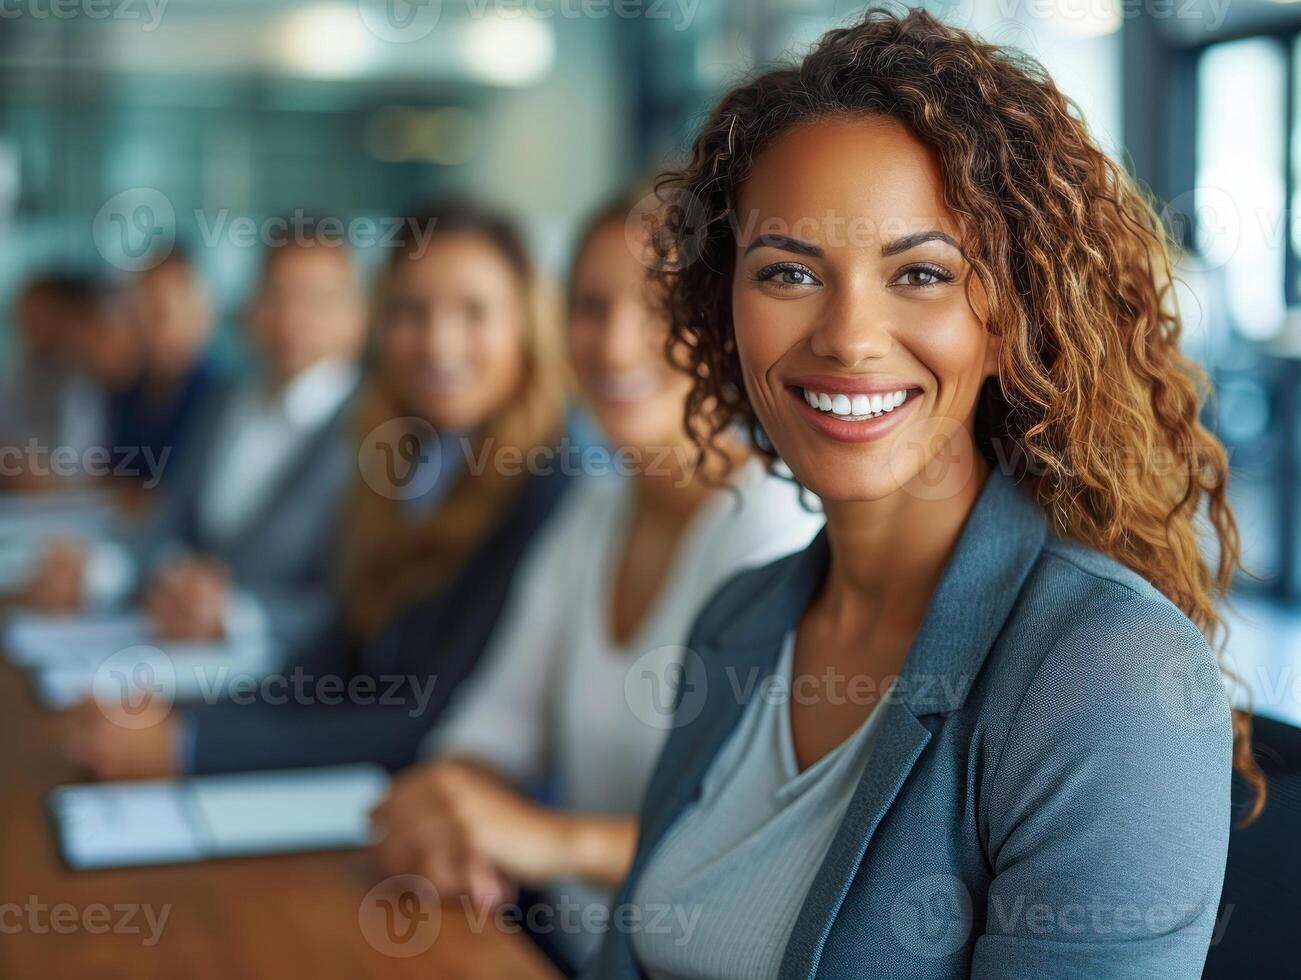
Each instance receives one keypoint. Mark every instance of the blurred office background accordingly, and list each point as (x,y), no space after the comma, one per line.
(125,124)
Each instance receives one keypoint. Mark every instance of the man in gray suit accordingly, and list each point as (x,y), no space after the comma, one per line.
(243,538)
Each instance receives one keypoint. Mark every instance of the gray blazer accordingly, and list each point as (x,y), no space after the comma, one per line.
(285,554)
(1049,794)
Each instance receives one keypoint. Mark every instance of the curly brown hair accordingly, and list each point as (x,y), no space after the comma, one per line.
(1092,393)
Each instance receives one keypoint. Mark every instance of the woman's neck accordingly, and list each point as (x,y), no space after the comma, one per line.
(888,555)
(675,480)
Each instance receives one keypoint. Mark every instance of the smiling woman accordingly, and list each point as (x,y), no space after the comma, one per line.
(888,310)
(905,266)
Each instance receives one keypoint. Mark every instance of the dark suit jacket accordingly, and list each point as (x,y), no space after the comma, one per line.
(1049,792)
(400,682)
(141,421)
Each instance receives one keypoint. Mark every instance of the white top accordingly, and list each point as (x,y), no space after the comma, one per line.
(728,880)
(556,698)
(258,438)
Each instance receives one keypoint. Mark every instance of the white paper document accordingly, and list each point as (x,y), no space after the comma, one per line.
(106,654)
(109,825)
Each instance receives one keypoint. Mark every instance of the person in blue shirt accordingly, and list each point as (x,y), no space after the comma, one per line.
(155,416)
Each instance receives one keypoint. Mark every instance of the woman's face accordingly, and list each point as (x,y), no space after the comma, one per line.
(862,354)
(454,333)
(616,343)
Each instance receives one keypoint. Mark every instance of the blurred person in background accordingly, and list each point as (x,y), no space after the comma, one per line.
(78,349)
(155,416)
(33,389)
(244,537)
(608,594)
(464,362)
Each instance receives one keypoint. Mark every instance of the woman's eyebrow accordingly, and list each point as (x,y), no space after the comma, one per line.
(785,243)
(917,238)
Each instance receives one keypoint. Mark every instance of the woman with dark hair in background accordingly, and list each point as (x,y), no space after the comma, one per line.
(465,368)
(1004,750)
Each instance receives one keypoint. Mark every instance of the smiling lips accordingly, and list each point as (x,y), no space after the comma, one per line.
(852,416)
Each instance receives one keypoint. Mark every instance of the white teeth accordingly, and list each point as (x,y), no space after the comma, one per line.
(857,407)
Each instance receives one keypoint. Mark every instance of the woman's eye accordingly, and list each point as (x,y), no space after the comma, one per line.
(921,276)
(787,275)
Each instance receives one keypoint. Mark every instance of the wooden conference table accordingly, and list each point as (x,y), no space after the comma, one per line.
(277,917)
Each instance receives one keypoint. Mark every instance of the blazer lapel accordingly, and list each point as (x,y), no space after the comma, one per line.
(736,662)
(998,546)
(899,743)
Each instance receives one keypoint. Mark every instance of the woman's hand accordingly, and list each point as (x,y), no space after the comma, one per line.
(470,833)
(58,583)
(112,751)
(187,600)
(467,832)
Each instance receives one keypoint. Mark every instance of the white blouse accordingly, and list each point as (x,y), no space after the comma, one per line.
(556,699)
(727,882)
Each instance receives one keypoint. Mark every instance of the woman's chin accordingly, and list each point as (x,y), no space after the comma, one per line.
(445,414)
(850,488)
(632,427)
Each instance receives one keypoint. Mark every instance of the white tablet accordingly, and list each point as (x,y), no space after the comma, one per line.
(111,825)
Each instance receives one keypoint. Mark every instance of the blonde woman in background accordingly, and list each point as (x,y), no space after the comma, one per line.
(576,693)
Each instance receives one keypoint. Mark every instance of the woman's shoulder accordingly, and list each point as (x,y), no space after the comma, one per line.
(584,514)
(1105,598)
(1095,649)
(764,500)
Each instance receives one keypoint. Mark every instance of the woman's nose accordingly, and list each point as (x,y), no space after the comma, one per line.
(854,328)
(625,341)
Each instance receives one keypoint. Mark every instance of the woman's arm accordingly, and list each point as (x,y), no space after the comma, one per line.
(1108,811)
(444,811)
(501,715)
